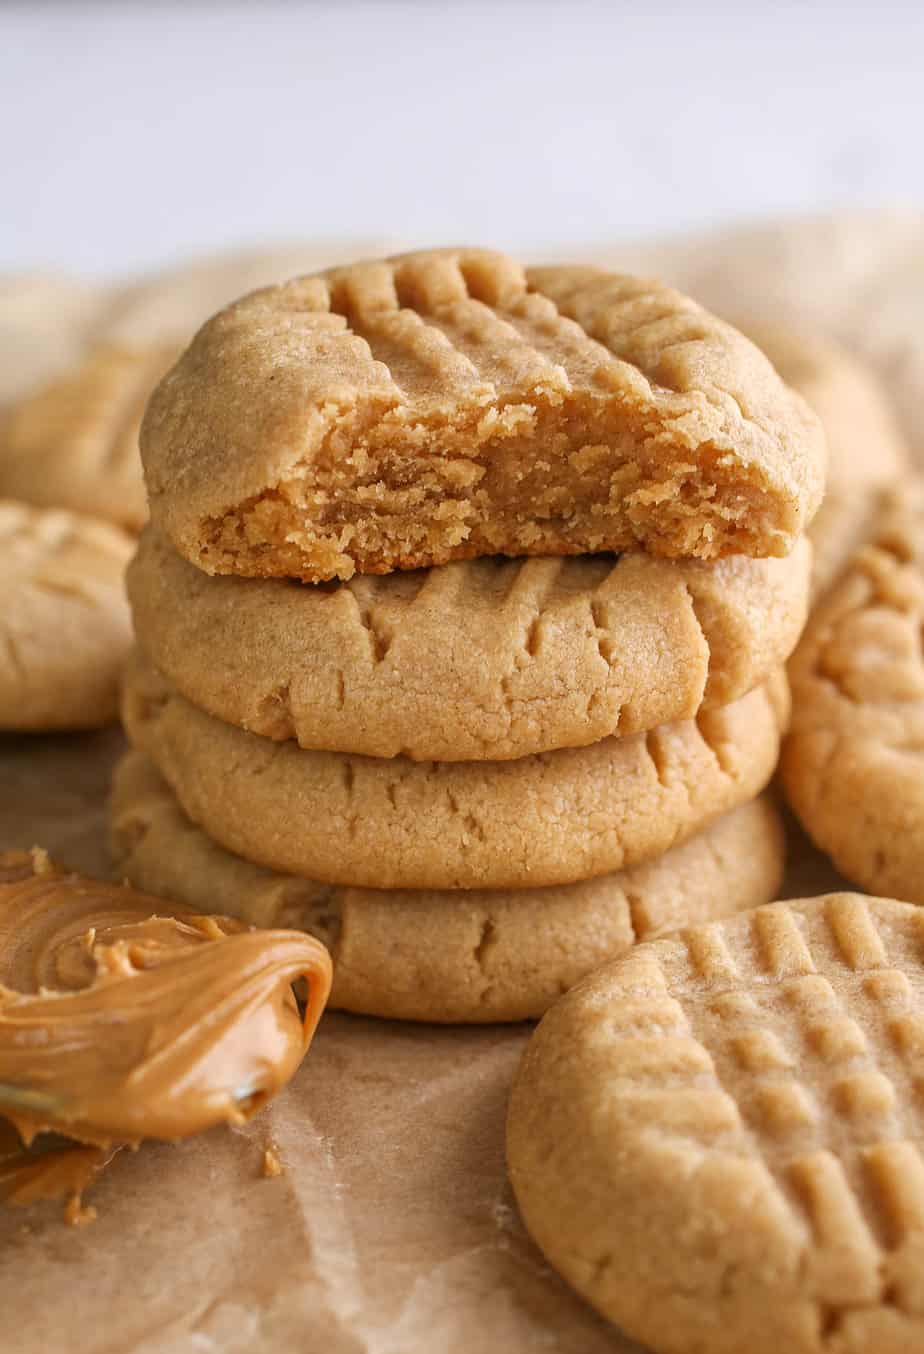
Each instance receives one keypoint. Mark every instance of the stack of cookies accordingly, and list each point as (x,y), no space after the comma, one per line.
(461,620)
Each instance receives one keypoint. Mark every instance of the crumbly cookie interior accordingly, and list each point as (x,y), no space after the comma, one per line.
(562,474)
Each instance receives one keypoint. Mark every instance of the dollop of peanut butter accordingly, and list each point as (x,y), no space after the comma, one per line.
(123,1018)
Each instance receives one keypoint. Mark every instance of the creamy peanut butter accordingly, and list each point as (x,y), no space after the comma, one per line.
(121,1020)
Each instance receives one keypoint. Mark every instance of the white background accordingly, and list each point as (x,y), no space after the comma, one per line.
(132,133)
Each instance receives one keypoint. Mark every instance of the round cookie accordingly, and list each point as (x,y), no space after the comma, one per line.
(853,763)
(479,660)
(467,957)
(450,404)
(866,449)
(73,442)
(65,628)
(394,823)
(717,1140)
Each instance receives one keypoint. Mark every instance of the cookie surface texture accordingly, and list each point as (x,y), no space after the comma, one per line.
(450,404)
(467,957)
(853,764)
(866,449)
(73,442)
(478,660)
(65,628)
(717,1139)
(394,823)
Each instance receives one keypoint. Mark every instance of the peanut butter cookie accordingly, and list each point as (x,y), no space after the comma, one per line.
(65,629)
(718,1140)
(852,765)
(394,823)
(450,404)
(477,660)
(73,442)
(452,957)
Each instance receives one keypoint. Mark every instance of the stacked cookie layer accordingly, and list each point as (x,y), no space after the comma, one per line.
(478,777)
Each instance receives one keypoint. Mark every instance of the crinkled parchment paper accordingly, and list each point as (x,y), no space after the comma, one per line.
(392,1229)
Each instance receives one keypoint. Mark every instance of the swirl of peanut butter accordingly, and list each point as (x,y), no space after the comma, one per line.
(121,1020)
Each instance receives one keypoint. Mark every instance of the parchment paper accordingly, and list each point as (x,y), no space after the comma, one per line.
(392,1230)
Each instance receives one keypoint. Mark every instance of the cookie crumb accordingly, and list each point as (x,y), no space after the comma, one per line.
(76,1214)
(272,1166)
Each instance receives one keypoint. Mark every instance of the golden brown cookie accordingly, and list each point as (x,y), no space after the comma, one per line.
(394,823)
(853,764)
(468,957)
(717,1139)
(448,404)
(73,442)
(866,450)
(482,659)
(65,629)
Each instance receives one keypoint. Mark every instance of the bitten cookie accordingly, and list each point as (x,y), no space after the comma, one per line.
(479,660)
(457,957)
(853,764)
(73,442)
(450,404)
(866,450)
(717,1139)
(65,629)
(393,823)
